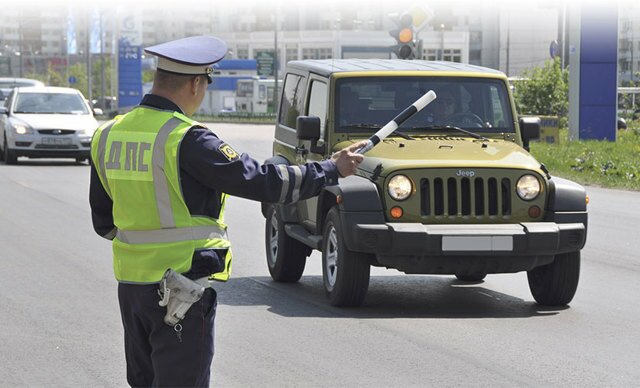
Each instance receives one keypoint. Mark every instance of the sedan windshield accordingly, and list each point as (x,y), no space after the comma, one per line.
(475,104)
(50,103)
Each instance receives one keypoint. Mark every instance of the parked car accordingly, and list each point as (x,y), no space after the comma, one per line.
(107,104)
(453,191)
(8,84)
(46,122)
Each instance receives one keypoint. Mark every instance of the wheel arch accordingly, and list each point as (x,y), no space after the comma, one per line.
(354,195)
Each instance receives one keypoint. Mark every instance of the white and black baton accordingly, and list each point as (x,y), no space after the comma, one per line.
(392,125)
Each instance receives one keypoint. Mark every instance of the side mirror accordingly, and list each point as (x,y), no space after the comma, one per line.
(529,130)
(308,128)
(4,110)
(98,111)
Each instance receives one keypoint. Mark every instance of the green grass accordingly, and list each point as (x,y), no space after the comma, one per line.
(590,162)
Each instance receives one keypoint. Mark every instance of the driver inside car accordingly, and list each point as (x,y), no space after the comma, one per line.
(446,110)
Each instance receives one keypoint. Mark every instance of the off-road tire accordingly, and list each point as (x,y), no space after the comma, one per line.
(345,273)
(286,256)
(555,284)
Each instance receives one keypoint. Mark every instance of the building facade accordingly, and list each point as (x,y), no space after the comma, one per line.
(508,36)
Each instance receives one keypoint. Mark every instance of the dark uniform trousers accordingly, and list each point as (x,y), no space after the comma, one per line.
(155,355)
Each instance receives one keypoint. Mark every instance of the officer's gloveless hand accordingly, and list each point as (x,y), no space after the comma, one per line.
(347,161)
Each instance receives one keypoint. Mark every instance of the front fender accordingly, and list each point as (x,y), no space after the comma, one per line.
(358,201)
(567,202)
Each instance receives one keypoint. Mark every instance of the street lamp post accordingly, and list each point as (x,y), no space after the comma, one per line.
(275,60)
(442,42)
(338,29)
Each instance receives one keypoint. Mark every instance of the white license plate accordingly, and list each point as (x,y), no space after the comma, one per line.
(56,140)
(477,243)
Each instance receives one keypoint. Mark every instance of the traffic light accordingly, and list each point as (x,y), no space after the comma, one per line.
(405,36)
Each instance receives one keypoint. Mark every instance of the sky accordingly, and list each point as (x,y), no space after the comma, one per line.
(27,4)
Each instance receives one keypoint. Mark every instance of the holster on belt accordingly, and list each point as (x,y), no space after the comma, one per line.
(178,293)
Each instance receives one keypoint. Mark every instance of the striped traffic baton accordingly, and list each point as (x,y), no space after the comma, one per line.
(392,125)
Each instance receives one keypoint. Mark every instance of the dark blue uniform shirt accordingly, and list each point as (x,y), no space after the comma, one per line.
(206,172)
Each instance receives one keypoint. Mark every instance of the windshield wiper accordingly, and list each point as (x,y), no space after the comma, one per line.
(453,127)
(377,126)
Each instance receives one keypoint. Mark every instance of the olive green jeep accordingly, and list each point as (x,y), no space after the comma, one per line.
(452,191)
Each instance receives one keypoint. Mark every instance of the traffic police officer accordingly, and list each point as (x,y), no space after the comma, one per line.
(159,183)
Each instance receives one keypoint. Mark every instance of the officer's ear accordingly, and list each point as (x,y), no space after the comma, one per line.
(195,84)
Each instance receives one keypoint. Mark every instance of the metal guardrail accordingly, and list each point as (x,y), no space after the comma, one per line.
(239,117)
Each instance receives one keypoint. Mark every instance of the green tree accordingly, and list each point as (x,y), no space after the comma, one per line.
(79,72)
(544,91)
(147,76)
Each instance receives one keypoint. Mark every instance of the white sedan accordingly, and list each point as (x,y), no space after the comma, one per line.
(46,122)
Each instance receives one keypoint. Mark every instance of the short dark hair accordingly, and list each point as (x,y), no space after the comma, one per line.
(171,81)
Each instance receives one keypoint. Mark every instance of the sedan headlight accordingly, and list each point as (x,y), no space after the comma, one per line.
(528,187)
(86,132)
(400,187)
(22,129)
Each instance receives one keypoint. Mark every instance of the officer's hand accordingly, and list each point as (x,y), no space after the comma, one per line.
(347,160)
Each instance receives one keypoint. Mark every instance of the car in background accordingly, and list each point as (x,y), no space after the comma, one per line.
(8,84)
(46,122)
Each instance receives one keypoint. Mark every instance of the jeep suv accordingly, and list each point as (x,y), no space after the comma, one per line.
(452,191)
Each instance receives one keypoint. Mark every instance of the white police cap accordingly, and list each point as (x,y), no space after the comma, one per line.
(193,55)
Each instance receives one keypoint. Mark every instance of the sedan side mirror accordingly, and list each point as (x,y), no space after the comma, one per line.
(4,110)
(529,130)
(308,128)
(98,111)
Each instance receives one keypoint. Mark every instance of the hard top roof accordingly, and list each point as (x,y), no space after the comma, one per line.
(327,67)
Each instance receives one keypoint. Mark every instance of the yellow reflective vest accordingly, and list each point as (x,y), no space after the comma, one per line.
(136,157)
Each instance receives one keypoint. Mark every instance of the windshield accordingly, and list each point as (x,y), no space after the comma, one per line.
(479,105)
(49,103)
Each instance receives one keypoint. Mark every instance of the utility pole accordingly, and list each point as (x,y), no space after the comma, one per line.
(508,42)
(103,104)
(275,60)
(20,42)
(442,42)
(89,83)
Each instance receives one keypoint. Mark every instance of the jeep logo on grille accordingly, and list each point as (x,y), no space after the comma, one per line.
(466,173)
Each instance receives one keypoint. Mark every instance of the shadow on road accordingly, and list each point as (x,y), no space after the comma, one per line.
(388,297)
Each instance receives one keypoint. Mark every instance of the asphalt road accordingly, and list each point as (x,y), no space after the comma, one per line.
(61,327)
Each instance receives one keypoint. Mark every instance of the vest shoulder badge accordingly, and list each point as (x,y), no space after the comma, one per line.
(228,152)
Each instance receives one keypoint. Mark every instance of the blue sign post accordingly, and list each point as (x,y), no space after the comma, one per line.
(593,75)
(129,74)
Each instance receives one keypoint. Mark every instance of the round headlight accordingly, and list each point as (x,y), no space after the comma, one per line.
(400,187)
(528,187)
(21,129)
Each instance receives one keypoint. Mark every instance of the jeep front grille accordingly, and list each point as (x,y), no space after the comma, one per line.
(465,197)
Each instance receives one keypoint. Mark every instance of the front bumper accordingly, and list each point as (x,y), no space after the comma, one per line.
(59,146)
(487,248)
